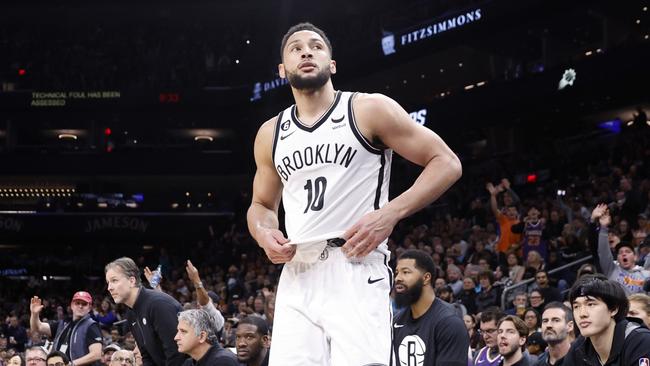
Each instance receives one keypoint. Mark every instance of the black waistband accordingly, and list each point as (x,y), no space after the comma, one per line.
(335,242)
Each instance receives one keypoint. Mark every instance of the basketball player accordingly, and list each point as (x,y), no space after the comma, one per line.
(429,331)
(328,158)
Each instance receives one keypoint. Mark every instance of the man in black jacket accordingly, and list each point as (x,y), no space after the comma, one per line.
(196,337)
(607,338)
(152,315)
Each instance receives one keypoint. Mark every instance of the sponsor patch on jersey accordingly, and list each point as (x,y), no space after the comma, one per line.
(285,125)
(644,361)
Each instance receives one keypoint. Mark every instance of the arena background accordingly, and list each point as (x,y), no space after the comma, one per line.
(126,128)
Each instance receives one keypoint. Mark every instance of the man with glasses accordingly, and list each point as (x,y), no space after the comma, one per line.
(36,356)
(122,357)
(80,339)
(489,355)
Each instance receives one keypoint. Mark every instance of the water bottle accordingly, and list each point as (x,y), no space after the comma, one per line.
(157,276)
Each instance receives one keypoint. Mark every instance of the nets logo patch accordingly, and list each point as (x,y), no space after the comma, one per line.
(285,125)
(411,351)
(644,361)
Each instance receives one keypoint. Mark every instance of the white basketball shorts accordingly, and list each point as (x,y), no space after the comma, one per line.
(334,311)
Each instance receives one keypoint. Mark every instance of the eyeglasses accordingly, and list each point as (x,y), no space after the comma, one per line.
(56,364)
(35,360)
(121,360)
(488,331)
(535,297)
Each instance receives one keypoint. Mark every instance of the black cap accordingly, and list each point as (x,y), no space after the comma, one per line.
(623,244)
(536,339)
(214,297)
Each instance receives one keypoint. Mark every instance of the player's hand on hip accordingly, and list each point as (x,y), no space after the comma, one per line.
(276,246)
(364,236)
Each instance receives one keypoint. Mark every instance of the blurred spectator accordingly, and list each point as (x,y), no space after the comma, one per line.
(640,308)
(557,325)
(537,300)
(624,269)
(16,360)
(57,358)
(108,352)
(508,241)
(36,356)
(105,315)
(79,338)
(122,358)
(196,337)
(489,295)
(549,293)
(253,341)
(16,334)
(519,303)
(533,320)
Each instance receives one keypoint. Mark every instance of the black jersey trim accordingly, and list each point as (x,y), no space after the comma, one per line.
(321,120)
(355,130)
(380,181)
(276,133)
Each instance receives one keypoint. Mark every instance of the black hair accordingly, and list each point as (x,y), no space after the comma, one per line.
(568,314)
(423,261)
(65,358)
(259,322)
(598,286)
(305,26)
(487,274)
(492,313)
(537,315)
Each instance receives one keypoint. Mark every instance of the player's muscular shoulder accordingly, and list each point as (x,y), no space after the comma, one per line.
(371,111)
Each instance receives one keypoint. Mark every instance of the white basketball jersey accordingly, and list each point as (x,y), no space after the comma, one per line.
(332,175)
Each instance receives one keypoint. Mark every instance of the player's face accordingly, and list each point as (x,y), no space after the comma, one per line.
(592,315)
(409,282)
(119,286)
(554,327)
(249,343)
(509,339)
(638,311)
(306,61)
(626,258)
(79,309)
(489,333)
(186,339)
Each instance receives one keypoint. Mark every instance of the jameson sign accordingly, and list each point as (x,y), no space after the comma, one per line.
(391,41)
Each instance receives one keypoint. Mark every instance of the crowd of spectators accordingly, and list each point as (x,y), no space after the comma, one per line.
(498,238)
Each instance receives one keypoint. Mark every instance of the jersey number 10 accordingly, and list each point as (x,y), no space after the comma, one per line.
(315,194)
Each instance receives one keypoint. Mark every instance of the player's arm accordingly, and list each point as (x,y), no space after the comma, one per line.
(262,215)
(381,118)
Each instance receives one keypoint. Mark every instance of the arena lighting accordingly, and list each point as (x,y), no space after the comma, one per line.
(531,178)
(102,205)
(67,136)
(203,138)
(468,87)
(107,131)
(21,72)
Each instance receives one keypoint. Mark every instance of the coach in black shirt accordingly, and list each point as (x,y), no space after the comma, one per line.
(429,331)
(152,315)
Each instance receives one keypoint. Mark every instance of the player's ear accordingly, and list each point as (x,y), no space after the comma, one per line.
(427,278)
(333,67)
(281,71)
